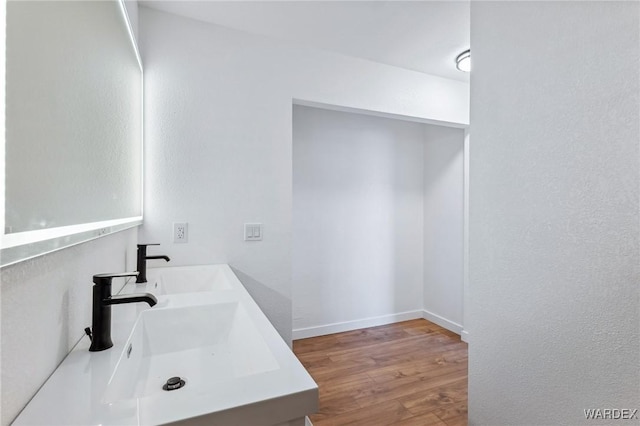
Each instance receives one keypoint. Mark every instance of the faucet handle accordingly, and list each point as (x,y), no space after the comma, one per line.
(106,278)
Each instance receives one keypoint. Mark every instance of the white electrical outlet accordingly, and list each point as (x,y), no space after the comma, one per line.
(180,233)
(252,231)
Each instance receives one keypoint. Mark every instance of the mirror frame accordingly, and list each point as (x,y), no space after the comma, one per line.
(21,246)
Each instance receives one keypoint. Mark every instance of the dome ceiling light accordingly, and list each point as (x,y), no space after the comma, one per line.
(463,61)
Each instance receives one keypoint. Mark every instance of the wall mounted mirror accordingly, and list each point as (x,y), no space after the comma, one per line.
(73,129)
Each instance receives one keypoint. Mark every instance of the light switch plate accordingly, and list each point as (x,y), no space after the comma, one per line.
(252,231)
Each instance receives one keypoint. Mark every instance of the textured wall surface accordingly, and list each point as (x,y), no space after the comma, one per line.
(377,222)
(357,217)
(443,224)
(46,304)
(554,221)
(218,144)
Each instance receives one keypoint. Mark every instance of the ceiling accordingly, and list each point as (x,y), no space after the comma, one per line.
(423,36)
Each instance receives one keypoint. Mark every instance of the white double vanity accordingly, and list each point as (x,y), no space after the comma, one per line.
(205,354)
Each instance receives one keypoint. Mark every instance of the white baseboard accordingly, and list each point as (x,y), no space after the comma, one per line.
(442,322)
(303,333)
(464,336)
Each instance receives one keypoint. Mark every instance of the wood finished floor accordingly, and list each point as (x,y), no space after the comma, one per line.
(412,373)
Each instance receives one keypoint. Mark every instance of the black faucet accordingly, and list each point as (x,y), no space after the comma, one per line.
(100,332)
(142,261)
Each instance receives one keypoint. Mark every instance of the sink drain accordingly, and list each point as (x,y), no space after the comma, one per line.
(173,383)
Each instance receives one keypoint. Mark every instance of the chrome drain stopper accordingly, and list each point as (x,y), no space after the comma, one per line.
(173,383)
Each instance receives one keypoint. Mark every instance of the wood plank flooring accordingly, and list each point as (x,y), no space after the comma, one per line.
(412,373)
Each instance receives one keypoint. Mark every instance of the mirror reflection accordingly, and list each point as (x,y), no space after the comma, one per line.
(73,150)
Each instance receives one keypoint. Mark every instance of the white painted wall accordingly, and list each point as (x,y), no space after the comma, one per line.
(357,221)
(465,233)
(218,143)
(377,222)
(554,222)
(46,304)
(444,226)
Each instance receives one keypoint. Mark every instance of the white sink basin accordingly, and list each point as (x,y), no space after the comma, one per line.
(186,279)
(225,345)
(207,330)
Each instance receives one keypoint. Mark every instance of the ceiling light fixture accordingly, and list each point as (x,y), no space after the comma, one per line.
(463,61)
